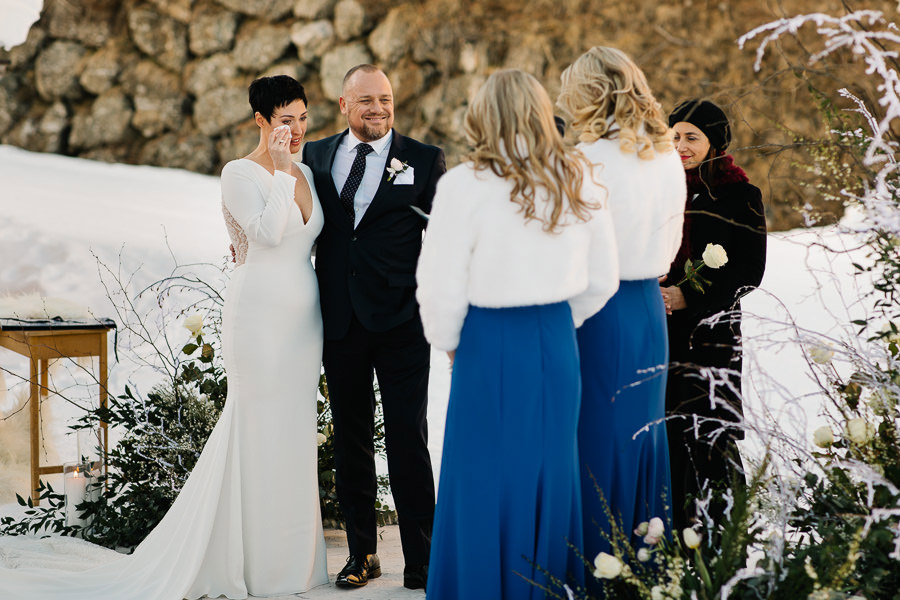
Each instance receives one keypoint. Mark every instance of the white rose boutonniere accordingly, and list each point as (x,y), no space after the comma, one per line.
(396,168)
(714,257)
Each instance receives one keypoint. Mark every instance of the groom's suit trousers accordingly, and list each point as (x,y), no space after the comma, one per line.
(401,359)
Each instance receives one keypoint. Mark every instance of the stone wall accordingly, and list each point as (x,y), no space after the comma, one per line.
(164,82)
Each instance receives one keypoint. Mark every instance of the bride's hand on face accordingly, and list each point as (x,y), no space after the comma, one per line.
(279,147)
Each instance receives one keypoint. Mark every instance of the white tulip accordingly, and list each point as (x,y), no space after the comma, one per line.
(607,566)
(194,324)
(643,555)
(823,437)
(691,538)
(821,353)
(859,431)
(714,256)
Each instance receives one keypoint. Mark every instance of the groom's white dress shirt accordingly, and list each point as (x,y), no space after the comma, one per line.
(376,163)
(479,250)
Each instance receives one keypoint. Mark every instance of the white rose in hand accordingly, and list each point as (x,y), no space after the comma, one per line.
(714,256)
(194,324)
(607,566)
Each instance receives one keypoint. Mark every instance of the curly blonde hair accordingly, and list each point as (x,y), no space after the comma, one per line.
(510,126)
(607,96)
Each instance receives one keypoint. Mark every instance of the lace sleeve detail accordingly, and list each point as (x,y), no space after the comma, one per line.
(238,237)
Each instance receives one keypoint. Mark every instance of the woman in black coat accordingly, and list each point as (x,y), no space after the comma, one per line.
(722,208)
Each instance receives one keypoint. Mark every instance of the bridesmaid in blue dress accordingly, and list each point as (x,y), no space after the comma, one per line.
(517,252)
(623,348)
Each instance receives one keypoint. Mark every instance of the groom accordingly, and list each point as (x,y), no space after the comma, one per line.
(369,180)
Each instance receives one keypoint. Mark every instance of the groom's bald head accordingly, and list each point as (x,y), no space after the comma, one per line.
(367,100)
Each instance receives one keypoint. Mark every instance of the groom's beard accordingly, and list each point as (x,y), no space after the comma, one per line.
(371,132)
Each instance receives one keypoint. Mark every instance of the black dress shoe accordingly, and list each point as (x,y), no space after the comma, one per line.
(358,571)
(415,578)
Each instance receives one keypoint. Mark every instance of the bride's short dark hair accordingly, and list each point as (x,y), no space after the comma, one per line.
(269,93)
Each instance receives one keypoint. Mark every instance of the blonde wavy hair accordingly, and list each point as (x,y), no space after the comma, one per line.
(604,82)
(510,126)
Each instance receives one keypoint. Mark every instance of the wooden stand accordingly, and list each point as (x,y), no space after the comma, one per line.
(41,342)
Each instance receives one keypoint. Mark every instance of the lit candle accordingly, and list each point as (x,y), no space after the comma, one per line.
(74,488)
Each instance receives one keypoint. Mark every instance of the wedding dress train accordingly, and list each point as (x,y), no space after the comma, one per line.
(247,520)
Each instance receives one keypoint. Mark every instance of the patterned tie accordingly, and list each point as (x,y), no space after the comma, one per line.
(354,179)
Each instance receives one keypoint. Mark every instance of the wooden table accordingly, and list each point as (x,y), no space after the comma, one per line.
(45,340)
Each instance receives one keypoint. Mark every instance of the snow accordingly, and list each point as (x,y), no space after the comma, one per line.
(16,16)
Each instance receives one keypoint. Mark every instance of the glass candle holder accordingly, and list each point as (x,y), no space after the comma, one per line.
(90,445)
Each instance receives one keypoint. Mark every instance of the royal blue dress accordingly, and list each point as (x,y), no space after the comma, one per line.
(624,359)
(509,497)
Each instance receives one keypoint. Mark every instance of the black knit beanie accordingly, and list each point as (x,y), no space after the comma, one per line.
(707,117)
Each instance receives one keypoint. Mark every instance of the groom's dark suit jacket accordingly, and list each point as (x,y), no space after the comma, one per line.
(371,271)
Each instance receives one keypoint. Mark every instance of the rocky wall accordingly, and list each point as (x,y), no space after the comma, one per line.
(164,82)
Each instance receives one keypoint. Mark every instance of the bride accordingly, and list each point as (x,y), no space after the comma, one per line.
(247,520)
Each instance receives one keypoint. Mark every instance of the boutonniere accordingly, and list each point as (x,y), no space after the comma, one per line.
(396,168)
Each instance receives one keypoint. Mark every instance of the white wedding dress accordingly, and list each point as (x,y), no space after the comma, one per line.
(247,521)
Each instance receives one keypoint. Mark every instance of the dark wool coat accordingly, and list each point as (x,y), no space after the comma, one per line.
(729,214)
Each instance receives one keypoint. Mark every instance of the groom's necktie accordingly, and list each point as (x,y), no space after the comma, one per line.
(357,170)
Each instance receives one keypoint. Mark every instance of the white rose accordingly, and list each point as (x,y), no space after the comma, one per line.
(396,164)
(642,528)
(643,555)
(656,593)
(714,256)
(821,353)
(823,437)
(859,431)
(607,566)
(194,324)
(320,439)
(691,538)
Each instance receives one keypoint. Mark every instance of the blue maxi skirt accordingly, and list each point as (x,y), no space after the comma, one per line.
(624,359)
(509,496)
